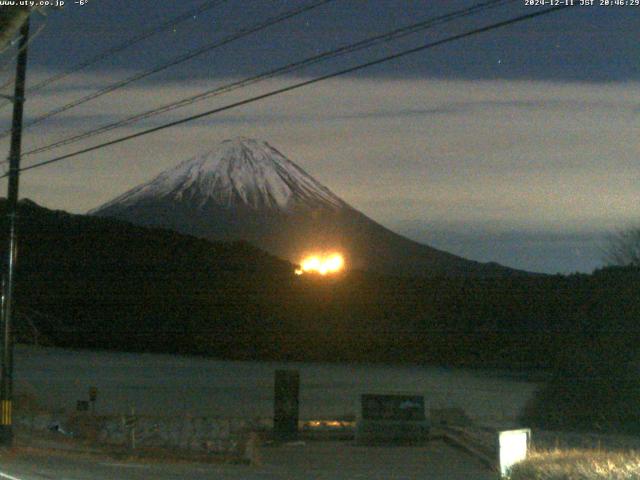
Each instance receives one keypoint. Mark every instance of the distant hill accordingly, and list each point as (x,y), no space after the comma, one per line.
(116,285)
(245,189)
(92,282)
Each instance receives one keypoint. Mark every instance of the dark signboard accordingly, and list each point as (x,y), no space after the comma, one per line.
(393,407)
(286,404)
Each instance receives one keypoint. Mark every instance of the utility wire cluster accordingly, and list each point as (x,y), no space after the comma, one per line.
(9,62)
(144,35)
(173,62)
(288,68)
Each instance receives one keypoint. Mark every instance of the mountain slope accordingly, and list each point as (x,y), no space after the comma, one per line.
(91,282)
(98,282)
(243,173)
(247,190)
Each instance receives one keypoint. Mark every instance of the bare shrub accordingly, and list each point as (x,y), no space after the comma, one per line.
(578,465)
(623,248)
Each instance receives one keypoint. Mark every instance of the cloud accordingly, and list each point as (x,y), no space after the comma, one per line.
(501,155)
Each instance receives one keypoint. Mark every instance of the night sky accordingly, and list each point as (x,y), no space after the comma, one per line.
(518,145)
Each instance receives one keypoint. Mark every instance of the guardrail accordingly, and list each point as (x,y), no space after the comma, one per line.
(498,450)
(481,444)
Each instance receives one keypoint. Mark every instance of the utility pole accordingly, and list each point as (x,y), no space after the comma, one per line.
(6,373)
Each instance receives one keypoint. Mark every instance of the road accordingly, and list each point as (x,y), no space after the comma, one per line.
(313,461)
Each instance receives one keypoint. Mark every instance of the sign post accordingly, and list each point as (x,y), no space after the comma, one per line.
(391,418)
(513,446)
(286,406)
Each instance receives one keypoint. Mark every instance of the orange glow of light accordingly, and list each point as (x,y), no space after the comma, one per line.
(322,264)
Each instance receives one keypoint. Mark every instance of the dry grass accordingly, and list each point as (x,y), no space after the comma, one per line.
(579,465)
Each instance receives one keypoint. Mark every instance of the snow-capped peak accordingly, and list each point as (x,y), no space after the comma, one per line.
(238,172)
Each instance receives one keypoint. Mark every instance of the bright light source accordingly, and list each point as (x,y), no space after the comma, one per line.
(322,264)
(513,448)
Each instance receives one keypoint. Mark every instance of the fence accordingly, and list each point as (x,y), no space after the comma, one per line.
(217,436)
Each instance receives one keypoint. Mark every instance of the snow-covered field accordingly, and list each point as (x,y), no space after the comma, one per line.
(165,384)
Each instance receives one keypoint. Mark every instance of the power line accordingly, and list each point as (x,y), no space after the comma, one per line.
(305,83)
(366,43)
(8,63)
(6,84)
(10,44)
(32,37)
(6,48)
(171,23)
(177,60)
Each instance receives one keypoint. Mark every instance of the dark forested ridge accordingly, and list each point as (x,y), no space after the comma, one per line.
(98,283)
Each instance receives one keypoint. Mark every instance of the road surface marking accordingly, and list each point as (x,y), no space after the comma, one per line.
(125,465)
(8,477)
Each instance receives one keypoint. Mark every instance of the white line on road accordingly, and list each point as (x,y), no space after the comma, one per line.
(8,477)
(126,465)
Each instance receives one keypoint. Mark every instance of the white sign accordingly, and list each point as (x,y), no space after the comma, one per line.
(513,446)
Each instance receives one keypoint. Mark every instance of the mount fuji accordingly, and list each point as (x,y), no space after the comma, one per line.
(245,189)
